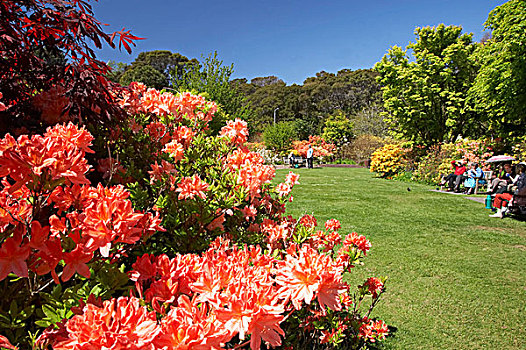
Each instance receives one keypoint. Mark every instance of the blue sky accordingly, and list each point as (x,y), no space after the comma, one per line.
(290,39)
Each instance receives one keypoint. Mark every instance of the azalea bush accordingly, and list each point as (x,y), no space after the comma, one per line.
(201,184)
(289,293)
(74,253)
(389,160)
(127,222)
(437,162)
(320,147)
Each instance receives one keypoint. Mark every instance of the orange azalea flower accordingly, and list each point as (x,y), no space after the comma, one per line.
(249,212)
(119,324)
(306,274)
(191,187)
(183,135)
(333,225)
(309,221)
(292,178)
(175,150)
(375,286)
(235,131)
(13,256)
(76,262)
(158,132)
(190,326)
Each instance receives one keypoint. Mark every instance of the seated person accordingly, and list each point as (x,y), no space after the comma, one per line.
(453,179)
(502,199)
(474,174)
(503,177)
(445,179)
(291,159)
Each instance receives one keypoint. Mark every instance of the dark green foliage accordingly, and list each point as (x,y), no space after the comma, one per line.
(144,74)
(154,68)
(311,103)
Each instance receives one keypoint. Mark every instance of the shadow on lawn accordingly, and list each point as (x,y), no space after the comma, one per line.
(387,344)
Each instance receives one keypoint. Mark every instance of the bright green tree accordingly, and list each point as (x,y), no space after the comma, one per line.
(278,137)
(338,130)
(499,89)
(425,95)
(212,78)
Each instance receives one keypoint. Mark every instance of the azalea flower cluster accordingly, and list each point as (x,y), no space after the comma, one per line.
(227,294)
(236,131)
(320,147)
(192,187)
(140,99)
(471,151)
(49,214)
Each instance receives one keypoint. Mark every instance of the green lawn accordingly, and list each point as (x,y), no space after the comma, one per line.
(457,278)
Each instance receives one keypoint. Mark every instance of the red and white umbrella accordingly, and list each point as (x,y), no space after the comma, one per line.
(498,159)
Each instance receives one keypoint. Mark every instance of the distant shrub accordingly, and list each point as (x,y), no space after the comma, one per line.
(320,147)
(389,160)
(279,137)
(361,148)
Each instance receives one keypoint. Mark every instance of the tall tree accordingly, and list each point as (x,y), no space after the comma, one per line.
(212,77)
(499,89)
(338,130)
(279,136)
(145,74)
(158,69)
(311,103)
(425,97)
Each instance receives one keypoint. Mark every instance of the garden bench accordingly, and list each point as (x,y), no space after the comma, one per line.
(298,161)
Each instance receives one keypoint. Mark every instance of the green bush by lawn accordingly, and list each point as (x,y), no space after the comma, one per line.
(457,278)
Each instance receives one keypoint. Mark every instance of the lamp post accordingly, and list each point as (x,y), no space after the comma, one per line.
(275,110)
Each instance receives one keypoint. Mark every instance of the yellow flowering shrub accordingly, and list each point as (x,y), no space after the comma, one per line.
(389,160)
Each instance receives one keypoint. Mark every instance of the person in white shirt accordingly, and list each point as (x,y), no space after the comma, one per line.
(310,153)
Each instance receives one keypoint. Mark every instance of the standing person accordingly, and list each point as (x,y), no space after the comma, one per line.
(310,154)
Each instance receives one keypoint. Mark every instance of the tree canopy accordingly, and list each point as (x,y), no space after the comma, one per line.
(499,90)
(311,103)
(425,86)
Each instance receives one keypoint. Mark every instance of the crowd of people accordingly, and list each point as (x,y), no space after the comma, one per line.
(462,175)
(506,182)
